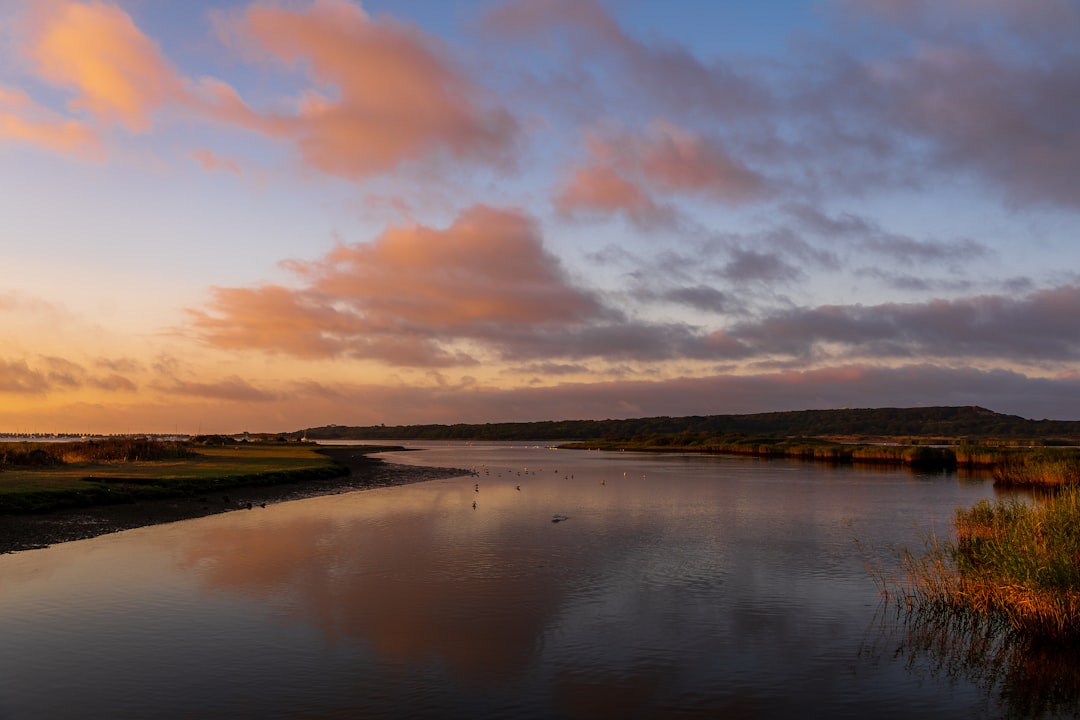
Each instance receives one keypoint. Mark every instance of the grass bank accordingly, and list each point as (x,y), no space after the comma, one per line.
(1043,466)
(771,447)
(1014,567)
(51,478)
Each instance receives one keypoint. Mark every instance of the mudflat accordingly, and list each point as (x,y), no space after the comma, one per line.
(359,472)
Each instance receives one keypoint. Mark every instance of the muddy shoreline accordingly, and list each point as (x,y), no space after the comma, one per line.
(39,530)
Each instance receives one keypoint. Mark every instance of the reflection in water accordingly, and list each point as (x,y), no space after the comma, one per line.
(1021,677)
(393,581)
(679,585)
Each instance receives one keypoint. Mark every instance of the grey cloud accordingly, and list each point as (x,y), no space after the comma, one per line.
(699,297)
(755,266)
(233,388)
(18,378)
(865,234)
(1042,326)
(915,283)
(113,383)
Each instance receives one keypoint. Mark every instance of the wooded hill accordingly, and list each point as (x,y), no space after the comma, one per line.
(956,424)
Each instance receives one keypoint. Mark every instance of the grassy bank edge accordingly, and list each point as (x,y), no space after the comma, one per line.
(123,487)
(1039,466)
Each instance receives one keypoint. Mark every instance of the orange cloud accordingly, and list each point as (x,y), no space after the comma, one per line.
(385,94)
(408,296)
(118,73)
(23,120)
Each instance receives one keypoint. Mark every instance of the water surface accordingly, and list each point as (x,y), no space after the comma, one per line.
(680,586)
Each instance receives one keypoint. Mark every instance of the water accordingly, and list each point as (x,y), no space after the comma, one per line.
(680,586)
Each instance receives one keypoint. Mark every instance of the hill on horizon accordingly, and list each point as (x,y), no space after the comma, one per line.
(970,423)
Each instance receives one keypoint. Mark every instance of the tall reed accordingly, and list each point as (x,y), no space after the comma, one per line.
(1013,563)
(1044,467)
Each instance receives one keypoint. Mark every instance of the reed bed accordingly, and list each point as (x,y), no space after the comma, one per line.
(1013,566)
(1042,467)
(109,450)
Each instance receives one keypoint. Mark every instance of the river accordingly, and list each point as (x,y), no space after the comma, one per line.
(676,586)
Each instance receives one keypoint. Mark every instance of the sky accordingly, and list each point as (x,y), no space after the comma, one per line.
(269,215)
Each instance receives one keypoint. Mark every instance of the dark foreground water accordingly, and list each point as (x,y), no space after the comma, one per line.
(679,586)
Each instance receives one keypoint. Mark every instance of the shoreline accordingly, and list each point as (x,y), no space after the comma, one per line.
(360,472)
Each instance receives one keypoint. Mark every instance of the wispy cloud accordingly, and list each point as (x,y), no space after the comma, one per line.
(24,121)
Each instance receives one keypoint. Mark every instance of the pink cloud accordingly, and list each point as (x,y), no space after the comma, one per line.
(118,74)
(626,171)
(385,93)
(599,189)
(23,120)
(406,296)
(678,160)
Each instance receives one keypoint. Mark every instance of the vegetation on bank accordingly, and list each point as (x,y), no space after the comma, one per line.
(38,477)
(1014,568)
(1011,466)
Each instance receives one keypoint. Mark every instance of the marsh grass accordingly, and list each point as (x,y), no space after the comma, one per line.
(1046,467)
(122,449)
(1013,567)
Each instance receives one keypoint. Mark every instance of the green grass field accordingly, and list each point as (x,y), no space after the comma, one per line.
(80,484)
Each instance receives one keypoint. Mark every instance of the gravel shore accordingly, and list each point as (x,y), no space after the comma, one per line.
(27,532)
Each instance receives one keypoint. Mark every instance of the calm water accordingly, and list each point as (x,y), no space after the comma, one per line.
(679,586)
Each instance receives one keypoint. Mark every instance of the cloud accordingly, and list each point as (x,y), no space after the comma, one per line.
(653,74)
(233,389)
(380,93)
(754,266)
(210,162)
(1035,21)
(408,296)
(22,120)
(1016,124)
(680,161)
(51,374)
(16,377)
(700,297)
(1040,327)
(849,384)
(986,90)
(599,190)
(385,93)
(627,171)
(867,235)
(118,74)
(113,383)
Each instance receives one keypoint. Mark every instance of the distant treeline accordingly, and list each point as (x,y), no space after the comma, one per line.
(948,424)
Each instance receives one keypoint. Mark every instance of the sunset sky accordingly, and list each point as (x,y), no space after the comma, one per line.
(226,216)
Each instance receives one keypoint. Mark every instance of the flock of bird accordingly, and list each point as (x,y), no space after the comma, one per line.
(557,517)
